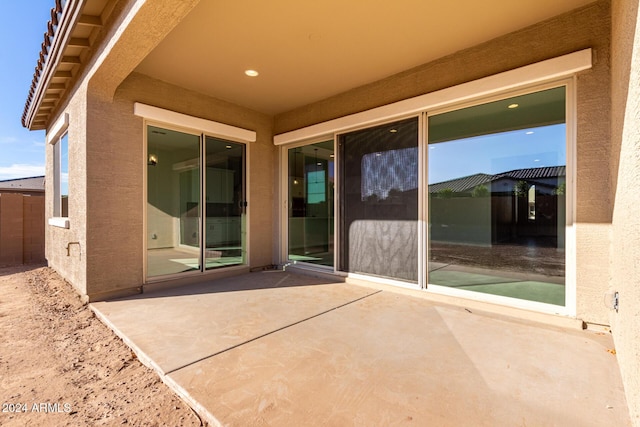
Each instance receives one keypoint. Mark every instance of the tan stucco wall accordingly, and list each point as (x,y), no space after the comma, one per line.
(625,239)
(73,266)
(115,182)
(588,27)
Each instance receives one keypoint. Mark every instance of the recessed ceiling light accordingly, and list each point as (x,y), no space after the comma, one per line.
(393,130)
(228,147)
(530,132)
(513,106)
(332,155)
(251,73)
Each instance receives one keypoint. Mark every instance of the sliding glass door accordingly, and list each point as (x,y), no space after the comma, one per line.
(488,183)
(379,201)
(497,197)
(310,203)
(183,233)
(224,204)
(173,198)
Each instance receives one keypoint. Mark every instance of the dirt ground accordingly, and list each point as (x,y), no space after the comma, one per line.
(60,366)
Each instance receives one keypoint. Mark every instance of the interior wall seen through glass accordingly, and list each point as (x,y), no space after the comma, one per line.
(173,197)
(224,203)
(310,208)
(379,201)
(497,197)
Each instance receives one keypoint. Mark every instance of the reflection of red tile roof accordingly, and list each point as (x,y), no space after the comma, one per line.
(468,183)
(533,173)
(460,185)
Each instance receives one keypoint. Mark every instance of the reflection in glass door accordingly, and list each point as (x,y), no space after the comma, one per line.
(173,199)
(224,204)
(184,234)
(497,204)
(310,217)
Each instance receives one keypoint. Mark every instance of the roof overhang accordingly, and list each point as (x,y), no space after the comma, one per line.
(71,32)
(305,52)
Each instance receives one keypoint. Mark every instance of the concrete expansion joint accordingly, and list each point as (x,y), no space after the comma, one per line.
(167,373)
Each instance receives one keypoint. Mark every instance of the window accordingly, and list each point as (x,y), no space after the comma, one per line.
(58,137)
(61,177)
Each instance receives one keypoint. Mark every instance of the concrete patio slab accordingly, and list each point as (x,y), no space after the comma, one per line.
(174,328)
(352,355)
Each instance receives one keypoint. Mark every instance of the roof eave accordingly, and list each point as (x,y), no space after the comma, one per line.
(37,112)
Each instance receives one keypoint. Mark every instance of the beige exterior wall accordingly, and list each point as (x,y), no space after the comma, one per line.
(588,27)
(115,182)
(625,239)
(73,266)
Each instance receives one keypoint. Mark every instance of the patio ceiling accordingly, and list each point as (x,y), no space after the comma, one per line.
(308,51)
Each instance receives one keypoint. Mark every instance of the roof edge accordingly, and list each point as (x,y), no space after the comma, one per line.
(63,19)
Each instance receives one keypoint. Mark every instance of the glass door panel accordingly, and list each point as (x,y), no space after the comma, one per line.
(497,174)
(311,189)
(224,203)
(173,199)
(379,201)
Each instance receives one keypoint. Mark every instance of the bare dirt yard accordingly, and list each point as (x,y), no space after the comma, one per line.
(60,366)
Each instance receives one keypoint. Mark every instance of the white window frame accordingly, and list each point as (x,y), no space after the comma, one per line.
(58,131)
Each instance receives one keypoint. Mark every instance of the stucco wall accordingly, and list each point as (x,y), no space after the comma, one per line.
(116,161)
(625,239)
(72,266)
(588,27)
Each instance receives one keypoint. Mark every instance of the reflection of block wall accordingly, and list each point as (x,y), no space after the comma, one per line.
(461,220)
(21,229)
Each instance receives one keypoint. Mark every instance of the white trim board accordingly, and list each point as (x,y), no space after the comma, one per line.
(555,68)
(58,128)
(209,127)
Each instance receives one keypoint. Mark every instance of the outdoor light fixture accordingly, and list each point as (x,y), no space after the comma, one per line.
(153,160)
(512,106)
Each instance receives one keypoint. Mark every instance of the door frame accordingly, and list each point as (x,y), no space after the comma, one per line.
(171,120)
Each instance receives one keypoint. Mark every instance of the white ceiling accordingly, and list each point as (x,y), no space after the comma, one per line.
(307,50)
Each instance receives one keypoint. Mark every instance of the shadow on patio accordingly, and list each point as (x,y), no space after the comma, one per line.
(289,349)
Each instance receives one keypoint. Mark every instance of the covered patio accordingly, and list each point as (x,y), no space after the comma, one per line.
(281,348)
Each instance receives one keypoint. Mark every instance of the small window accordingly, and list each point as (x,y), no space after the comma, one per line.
(61,176)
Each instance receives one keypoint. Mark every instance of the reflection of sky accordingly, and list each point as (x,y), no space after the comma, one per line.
(64,165)
(500,152)
(64,183)
(389,170)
